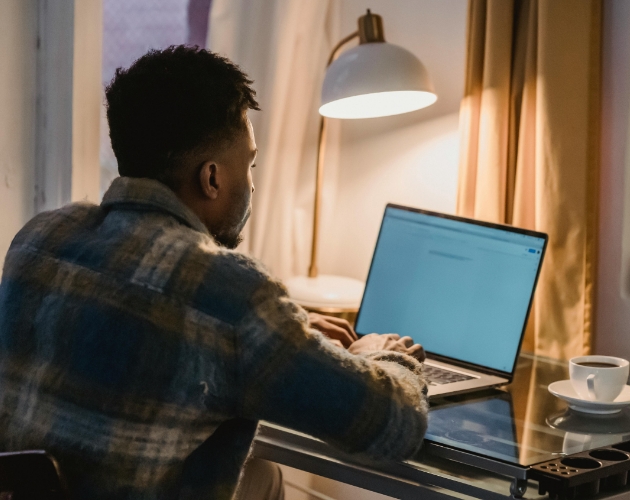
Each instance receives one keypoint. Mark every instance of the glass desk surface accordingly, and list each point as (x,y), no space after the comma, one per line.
(523,424)
(478,445)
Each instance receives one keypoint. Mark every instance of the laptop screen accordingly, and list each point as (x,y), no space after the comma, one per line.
(460,288)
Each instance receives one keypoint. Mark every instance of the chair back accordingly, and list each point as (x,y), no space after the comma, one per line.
(31,475)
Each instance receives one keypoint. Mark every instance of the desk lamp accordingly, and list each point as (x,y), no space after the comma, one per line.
(370,80)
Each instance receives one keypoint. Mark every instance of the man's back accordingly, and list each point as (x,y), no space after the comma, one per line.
(128,338)
(99,305)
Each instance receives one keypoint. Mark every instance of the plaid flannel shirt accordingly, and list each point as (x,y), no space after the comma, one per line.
(142,355)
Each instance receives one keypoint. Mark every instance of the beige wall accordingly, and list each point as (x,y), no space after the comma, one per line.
(17,116)
(69,94)
(613,292)
(410,164)
(87,94)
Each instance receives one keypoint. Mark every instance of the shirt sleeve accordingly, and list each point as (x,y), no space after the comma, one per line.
(291,375)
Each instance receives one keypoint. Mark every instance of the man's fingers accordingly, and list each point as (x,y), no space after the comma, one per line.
(342,323)
(341,335)
(393,336)
(406,341)
(335,332)
(334,328)
(387,342)
(336,343)
(417,351)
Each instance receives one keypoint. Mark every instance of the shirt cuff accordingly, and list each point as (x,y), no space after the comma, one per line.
(396,357)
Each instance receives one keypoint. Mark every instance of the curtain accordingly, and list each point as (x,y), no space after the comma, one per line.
(283,45)
(529,148)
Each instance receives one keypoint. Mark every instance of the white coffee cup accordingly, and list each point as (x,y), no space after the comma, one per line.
(594,382)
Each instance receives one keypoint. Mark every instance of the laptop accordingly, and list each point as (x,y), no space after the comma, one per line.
(462,288)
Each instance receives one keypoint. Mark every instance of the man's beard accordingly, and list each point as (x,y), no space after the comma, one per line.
(230,236)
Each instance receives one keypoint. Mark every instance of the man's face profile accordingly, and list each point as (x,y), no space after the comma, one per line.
(233,202)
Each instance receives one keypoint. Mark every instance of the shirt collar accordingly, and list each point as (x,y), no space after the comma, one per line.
(149,194)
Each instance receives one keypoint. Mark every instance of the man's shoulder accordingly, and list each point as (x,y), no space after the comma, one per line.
(231,283)
(147,250)
(190,267)
(57,223)
(199,253)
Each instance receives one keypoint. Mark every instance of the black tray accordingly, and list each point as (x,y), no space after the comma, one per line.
(583,474)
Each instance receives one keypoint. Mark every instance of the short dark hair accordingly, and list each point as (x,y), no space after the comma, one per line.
(170,103)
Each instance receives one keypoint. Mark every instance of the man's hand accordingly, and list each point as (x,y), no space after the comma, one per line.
(338,330)
(387,342)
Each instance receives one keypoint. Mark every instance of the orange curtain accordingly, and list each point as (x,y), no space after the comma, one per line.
(529,148)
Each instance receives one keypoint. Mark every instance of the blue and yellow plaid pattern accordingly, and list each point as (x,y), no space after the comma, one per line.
(129,339)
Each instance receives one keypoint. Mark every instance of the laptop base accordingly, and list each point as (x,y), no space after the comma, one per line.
(479,380)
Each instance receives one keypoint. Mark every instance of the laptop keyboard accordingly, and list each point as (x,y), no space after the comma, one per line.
(440,376)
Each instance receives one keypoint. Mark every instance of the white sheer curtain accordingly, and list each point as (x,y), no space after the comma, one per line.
(283,45)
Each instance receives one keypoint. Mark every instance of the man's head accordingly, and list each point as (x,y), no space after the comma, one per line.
(180,116)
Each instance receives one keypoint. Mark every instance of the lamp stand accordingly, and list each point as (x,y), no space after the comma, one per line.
(327,293)
(319,184)
(370,31)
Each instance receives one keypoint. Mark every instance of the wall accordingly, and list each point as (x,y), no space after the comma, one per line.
(87,96)
(17,116)
(68,102)
(409,159)
(613,301)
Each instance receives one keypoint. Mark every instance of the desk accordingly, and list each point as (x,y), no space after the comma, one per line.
(478,445)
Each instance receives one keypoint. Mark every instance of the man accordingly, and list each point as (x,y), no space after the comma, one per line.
(139,349)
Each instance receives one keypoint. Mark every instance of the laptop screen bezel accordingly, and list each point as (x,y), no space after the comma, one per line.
(504,227)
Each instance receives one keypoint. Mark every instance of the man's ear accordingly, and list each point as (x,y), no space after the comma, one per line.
(208,180)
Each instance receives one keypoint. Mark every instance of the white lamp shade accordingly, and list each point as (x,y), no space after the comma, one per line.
(375,79)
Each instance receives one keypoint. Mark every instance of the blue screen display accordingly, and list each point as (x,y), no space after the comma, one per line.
(460,289)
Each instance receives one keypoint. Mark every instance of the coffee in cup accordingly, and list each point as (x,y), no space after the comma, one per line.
(598,378)
(596,364)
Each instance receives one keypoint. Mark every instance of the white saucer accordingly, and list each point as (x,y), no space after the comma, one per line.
(564,390)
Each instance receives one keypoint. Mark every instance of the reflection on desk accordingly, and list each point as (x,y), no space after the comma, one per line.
(524,424)
(585,432)
(483,425)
